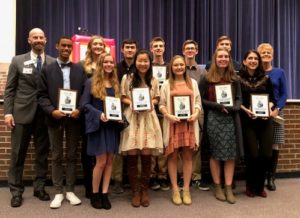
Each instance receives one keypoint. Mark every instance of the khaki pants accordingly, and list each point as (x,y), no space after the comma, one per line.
(117,171)
(159,167)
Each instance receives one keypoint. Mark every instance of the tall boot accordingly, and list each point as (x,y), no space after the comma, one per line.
(133,179)
(272,170)
(145,177)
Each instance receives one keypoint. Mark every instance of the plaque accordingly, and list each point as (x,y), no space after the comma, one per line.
(112,108)
(160,73)
(224,95)
(260,105)
(67,100)
(182,106)
(141,100)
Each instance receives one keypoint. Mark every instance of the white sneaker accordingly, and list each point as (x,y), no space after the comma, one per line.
(74,200)
(56,202)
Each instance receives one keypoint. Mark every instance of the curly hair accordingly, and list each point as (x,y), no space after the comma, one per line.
(89,54)
(98,87)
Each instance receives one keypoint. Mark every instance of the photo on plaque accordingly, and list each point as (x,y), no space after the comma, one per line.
(67,100)
(182,106)
(112,108)
(224,94)
(160,73)
(141,99)
(260,105)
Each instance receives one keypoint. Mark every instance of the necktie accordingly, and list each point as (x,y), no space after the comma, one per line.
(39,63)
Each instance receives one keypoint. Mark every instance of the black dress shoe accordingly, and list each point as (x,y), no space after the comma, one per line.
(42,195)
(16,201)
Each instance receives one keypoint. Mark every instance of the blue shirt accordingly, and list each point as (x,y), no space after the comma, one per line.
(278,80)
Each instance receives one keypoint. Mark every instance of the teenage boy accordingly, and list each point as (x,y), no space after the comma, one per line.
(190,49)
(62,119)
(159,167)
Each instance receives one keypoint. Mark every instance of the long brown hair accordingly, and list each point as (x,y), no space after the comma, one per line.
(213,73)
(89,54)
(98,87)
(186,77)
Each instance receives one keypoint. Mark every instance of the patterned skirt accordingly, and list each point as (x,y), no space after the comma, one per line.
(278,133)
(221,134)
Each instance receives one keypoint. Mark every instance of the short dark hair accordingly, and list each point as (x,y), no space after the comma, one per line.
(63,37)
(129,41)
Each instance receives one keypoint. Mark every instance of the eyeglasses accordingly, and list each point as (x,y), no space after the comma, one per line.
(190,48)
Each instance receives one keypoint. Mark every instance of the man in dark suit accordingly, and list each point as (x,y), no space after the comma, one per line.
(62,74)
(25,118)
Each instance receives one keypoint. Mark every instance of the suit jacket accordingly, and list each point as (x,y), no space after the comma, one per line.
(20,97)
(51,81)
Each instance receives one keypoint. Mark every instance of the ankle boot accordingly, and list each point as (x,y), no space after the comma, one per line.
(133,179)
(272,171)
(186,197)
(229,194)
(105,201)
(96,200)
(145,177)
(219,194)
(176,198)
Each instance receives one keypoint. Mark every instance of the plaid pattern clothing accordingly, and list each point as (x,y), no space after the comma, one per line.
(278,133)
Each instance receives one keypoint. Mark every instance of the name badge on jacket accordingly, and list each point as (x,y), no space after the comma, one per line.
(27,69)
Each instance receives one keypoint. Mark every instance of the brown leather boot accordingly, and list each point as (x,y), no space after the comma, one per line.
(133,179)
(145,177)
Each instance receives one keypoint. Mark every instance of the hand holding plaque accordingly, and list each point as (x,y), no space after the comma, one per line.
(67,100)
(260,105)
(141,99)
(112,108)
(160,73)
(224,95)
(182,106)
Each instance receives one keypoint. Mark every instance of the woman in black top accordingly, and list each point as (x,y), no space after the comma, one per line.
(257,131)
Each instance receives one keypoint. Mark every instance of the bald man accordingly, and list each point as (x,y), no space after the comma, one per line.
(25,118)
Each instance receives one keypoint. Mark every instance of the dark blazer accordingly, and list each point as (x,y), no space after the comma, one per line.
(20,97)
(51,81)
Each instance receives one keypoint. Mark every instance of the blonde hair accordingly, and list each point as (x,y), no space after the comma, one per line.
(213,74)
(186,77)
(89,54)
(97,86)
(263,46)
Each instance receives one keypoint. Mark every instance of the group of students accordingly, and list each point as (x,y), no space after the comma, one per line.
(156,137)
